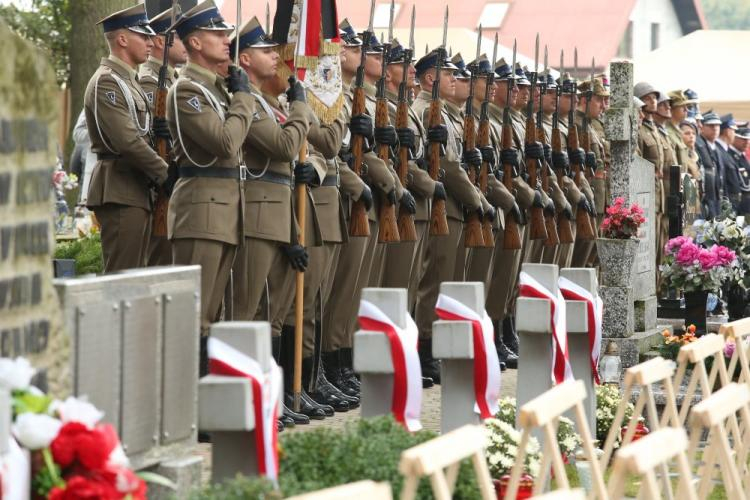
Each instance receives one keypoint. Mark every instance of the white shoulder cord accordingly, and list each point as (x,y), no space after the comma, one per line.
(269,111)
(215,105)
(141,130)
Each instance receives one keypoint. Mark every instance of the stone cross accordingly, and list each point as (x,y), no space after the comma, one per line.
(453,343)
(630,312)
(225,404)
(372,352)
(578,337)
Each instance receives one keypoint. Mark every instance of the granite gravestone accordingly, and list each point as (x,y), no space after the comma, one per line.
(30,320)
(630,312)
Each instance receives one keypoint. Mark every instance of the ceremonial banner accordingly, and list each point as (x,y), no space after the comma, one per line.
(486,363)
(223,359)
(406,402)
(529,287)
(594,311)
(307,31)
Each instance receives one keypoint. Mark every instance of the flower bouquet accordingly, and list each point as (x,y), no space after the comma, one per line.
(692,268)
(618,242)
(622,221)
(501,454)
(671,344)
(608,398)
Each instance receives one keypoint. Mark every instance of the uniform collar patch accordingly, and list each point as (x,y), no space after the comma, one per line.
(195,103)
(112,97)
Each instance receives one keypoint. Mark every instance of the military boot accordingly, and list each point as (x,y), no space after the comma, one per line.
(430,365)
(346,359)
(506,342)
(335,374)
(323,391)
(286,355)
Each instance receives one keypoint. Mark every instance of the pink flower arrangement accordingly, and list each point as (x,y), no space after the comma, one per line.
(622,221)
(691,267)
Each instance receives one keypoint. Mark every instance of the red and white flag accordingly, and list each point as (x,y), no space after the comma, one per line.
(406,400)
(529,287)
(594,310)
(486,363)
(224,359)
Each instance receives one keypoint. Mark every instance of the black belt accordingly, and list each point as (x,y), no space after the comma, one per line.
(269,177)
(214,172)
(330,180)
(107,156)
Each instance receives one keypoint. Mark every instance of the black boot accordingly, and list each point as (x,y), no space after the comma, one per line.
(323,382)
(510,337)
(286,420)
(306,407)
(325,393)
(279,425)
(346,359)
(430,365)
(203,363)
(286,356)
(335,375)
(296,418)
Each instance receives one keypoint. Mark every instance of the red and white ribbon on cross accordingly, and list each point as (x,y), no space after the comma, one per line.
(594,310)
(406,401)
(529,287)
(486,363)
(15,472)
(224,359)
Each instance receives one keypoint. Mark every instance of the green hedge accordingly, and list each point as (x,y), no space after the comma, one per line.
(87,252)
(321,458)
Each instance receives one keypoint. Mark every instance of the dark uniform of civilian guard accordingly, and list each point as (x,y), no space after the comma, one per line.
(119,125)
(209,126)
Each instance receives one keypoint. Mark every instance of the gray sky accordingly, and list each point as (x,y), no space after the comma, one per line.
(21,4)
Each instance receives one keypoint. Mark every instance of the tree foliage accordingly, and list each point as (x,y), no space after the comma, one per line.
(727,14)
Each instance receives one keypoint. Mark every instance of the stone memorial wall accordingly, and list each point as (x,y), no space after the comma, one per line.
(30,320)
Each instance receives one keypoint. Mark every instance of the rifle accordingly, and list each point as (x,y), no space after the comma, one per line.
(586,139)
(406,228)
(538,230)
(473,226)
(584,230)
(511,236)
(564,228)
(388,228)
(483,139)
(161,205)
(359,224)
(439,216)
(553,238)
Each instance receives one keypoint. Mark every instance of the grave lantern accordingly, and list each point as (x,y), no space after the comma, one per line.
(610,366)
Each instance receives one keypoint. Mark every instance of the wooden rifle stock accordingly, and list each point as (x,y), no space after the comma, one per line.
(161,205)
(564,228)
(511,234)
(538,230)
(473,226)
(439,214)
(483,139)
(359,225)
(388,232)
(584,230)
(406,227)
(553,239)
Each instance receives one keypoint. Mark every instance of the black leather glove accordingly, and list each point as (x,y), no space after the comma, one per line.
(237,81)
(567,212)
(422,164)
(583,204)
(549,208)
(304,173)
(297,256)
(591,160)
(560,161)
(490,214)
(537,203)
(295,92)
(386,136)
(408,202)
(472,158)
(480,212)
(439,193)
(161,129)
(362,125)
(534,151)
(171,180)
(366,197)
(515,212)
(406,138)
(577,156)
(548,154)
(438,134)
(488,155)
(499,174)
(391,197)
(509,157)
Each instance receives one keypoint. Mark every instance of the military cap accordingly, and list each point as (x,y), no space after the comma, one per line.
(642,89)
(638,103)
(397,53)
(133,19)
(548,81)
(663,97)
(567,82)
(373,44)
(161,22)
(204,16)
(604,79)
(727,121)
(599,88)
(503,70)
(348,35)
(678,98)
(463,72)
(743,133)
(252,35)
(430,60)
(711,118)
(520,76)
(691,94)
(482,65)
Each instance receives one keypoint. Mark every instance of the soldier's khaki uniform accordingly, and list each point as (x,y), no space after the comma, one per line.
(651,147)
(120,194)
(270,223)
(442,251)
(585,251)
(205,209)
(159,248)
(404,261)
(680,148)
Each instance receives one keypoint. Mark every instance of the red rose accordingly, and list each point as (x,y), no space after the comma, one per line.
(91,447)
(82,488)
